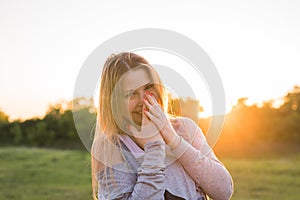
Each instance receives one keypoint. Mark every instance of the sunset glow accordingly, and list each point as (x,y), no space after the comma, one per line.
(42,48)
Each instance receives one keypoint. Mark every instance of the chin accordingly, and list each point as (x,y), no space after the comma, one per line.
(137,119)
(137,122)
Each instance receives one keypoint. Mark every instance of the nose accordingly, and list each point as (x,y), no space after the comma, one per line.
(142,95)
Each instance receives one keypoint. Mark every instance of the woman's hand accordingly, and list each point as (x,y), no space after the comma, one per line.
(161,121)
(149,132)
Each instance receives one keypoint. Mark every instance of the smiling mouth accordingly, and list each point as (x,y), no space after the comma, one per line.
(137,115)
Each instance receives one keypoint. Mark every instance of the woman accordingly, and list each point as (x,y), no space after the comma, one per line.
(140,152)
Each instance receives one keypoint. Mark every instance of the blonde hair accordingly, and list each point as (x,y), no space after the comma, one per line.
(107,126)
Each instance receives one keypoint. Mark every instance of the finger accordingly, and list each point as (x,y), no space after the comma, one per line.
(149,129)
(148,105)
(175,123)
(152,109)
(158,122)
(153,102)
(151,99)
(145,119)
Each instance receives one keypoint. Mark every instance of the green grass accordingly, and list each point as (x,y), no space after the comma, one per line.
(37,174)
(276,177)
(30,173)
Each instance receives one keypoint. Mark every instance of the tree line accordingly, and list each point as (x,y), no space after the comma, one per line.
(246,127)
(256,129)
(55,130)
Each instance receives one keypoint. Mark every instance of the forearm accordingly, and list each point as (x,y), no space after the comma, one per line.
(151,174)
(149,182)
(205,169)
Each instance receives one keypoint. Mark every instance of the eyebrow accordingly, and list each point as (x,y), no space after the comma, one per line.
(128,91)
(146,85)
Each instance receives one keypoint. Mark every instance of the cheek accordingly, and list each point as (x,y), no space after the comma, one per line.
(130,105)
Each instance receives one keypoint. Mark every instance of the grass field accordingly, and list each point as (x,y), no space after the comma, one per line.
(45,174)
(38,174)
(276,177)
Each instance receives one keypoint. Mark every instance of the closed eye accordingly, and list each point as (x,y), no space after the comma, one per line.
(149,86)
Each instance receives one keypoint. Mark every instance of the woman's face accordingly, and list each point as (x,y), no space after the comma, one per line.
(135,85)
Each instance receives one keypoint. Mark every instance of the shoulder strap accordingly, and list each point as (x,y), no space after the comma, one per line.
(129,157)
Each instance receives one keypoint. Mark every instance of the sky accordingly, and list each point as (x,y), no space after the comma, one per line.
(254,45)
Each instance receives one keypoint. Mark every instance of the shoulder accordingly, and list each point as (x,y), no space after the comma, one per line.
(180,123)
(105,152)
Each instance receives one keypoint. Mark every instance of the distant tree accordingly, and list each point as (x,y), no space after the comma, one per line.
(84,114)
(186,107)
(3,117)
(17,133)
(174,107)
(191,108)
(291,101)
(66,124)
(4,128)
(52,119)
(83,103)
(246,126)
(31,133)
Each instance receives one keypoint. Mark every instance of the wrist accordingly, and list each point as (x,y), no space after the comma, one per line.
(173,144)
(171,138)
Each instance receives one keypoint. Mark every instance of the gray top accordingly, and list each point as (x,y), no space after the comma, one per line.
(186,172)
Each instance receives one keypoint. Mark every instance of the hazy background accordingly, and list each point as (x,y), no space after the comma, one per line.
(255,45)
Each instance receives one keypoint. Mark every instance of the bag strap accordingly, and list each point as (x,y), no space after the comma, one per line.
(129,157)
